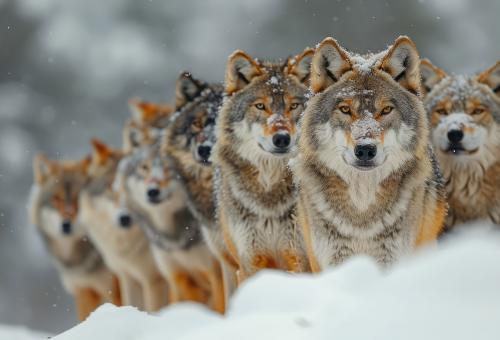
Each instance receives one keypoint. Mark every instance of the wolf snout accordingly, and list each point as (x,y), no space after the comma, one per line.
(124,220)
(204,152)
(282,140)
(365,152)
(455,136)
(66,227)
(153,194)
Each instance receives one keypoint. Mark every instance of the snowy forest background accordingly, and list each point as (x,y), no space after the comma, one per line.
(68,67)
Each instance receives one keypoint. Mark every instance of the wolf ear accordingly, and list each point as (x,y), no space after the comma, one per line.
(42,167)
(300,66)
(430,75)
(186,89)
(131,137)
(402,63)
(240,70)
(101,152)
(329,63)
(491,77)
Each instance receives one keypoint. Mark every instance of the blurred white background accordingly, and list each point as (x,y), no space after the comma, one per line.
(68,67)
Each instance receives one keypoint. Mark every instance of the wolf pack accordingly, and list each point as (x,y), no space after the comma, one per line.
(294,165)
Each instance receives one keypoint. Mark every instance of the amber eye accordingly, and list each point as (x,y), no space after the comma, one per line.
(260,106)
(442,112)
(196,124)
(477,111)
(293,106)
(345,109)
(386,110)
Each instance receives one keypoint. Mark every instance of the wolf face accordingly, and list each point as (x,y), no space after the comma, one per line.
(147,121)
(365,115)
(192,134)
(264,103)
(464,114)
(153,179)
(58,185)
(101,172)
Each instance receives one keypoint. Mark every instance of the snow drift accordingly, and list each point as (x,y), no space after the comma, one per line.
(449,292)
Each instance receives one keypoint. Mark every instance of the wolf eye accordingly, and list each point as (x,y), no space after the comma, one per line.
(293,106)
(442,112)
(260,106)
(145,167)
(345,109)
(386,110)
(477,111)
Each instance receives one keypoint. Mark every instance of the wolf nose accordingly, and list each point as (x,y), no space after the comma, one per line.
(455,136)
(204,151)
(153,193)
(125,220)
(66,227)
(281,140)
(365,152)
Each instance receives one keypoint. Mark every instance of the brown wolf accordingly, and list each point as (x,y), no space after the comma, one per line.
(256,136)
(464,113)
(188,143)
(122,242)
(368,180)
(145,124)
(159,203)
(53,209)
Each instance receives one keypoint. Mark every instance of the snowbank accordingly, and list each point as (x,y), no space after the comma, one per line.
(448,293)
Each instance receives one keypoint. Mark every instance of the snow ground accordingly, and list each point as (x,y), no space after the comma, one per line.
(450,292)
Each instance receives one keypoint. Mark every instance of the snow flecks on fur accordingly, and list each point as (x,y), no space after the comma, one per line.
(364,64)
(456,88)
(366,127)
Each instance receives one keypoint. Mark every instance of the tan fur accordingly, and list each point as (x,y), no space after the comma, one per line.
(54,200)
(125,251)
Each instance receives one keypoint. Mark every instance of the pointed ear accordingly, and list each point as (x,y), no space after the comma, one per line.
(42,167)
(491,77)
(142,111)
(329,63)
(186,89)
(402,63)
(300,66)
(101,152)
(430,75)
(240,70)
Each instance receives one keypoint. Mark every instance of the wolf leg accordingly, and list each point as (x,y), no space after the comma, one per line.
(131,292)
(154,290)
(86,301)
(305,225)
(431,225)
(188,289)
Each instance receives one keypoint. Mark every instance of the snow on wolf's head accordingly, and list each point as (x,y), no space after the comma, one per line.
(263,105)
(365,116)
(465,115)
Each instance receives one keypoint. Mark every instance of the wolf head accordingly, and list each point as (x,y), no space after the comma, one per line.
(191,135)
(102,172)
(263,105)
(153,179)
(145,125)
(365,114)
(58,185)
(464,114)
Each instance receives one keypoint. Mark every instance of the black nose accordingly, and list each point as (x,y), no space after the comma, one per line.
(66,227)
(455,136)
(281,140)
(153,193)
(125,220)
(204,151)
(365,152)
